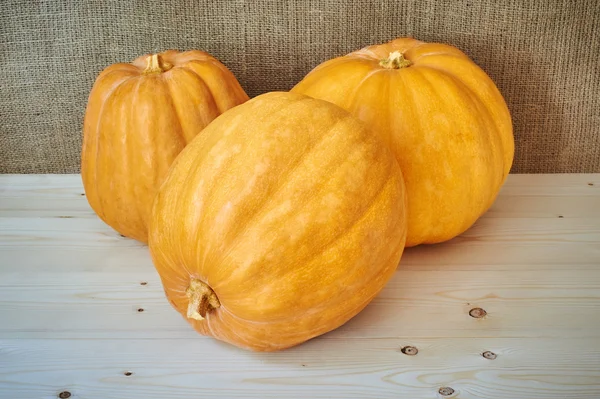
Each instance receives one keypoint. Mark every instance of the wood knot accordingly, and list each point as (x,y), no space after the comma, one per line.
(128,373)
(409,350)
(446,391)
(64,395)
(489,355)
(477,313)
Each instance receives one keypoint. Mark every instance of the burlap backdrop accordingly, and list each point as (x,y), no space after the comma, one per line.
(544,56)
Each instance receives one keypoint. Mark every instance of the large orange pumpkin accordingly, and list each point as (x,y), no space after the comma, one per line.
(444,119)
(278,223)
(138,118)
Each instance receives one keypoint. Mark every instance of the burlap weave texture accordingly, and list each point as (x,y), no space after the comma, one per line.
(543,55)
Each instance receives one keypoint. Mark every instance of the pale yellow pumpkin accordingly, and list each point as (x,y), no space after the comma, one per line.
(280,222)
(442,116)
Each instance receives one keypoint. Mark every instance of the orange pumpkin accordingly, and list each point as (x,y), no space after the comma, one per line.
(444,119)
(278,223)
(138,118)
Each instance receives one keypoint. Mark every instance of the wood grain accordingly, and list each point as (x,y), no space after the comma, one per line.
(81,306)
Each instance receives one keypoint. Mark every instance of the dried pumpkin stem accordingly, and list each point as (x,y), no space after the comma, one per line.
(395,60)
(202,299)
(156,64)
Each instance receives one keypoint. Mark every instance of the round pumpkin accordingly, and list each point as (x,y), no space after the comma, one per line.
(139,117)
(444,119)
(280,222)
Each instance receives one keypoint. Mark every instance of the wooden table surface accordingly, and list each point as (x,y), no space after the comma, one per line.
(82,310)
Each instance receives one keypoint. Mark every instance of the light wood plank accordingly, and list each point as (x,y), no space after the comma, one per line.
(552,185)
(518,303)
(348,368)
(93,232)
(71,289)
(559,206)
(59,233)
(34,196)
(447,257)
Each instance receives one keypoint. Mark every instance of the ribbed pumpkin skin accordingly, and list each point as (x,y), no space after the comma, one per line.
(137,122)
(444,119)
(293,214)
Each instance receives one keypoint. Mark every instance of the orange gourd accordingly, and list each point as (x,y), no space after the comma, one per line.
(280,222)
(443,118)
(139,117)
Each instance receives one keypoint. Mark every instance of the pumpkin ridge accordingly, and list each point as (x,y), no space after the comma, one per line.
(465,222)
(186,183)
(208,190)
(130,148)
(484,109)
(489,139)
(329,64)
(318,330)
(365,53)
(223,169)
(283,183)
(487,110)
(387,113)
(415,121)
(374,200)
(329,172)
(354,103)
(210,61)
(165,82)
(495,142)
(393,255)
(121,68)
(189,187)
(203,82)
(390,268)
(421,57)
(300,206)
(347,228)
(214,64)
(363,81)
(189,55)
(468,180)
(97,135)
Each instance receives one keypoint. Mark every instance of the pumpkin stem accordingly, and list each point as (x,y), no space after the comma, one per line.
(202,299)
(395,60)
(156,64)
